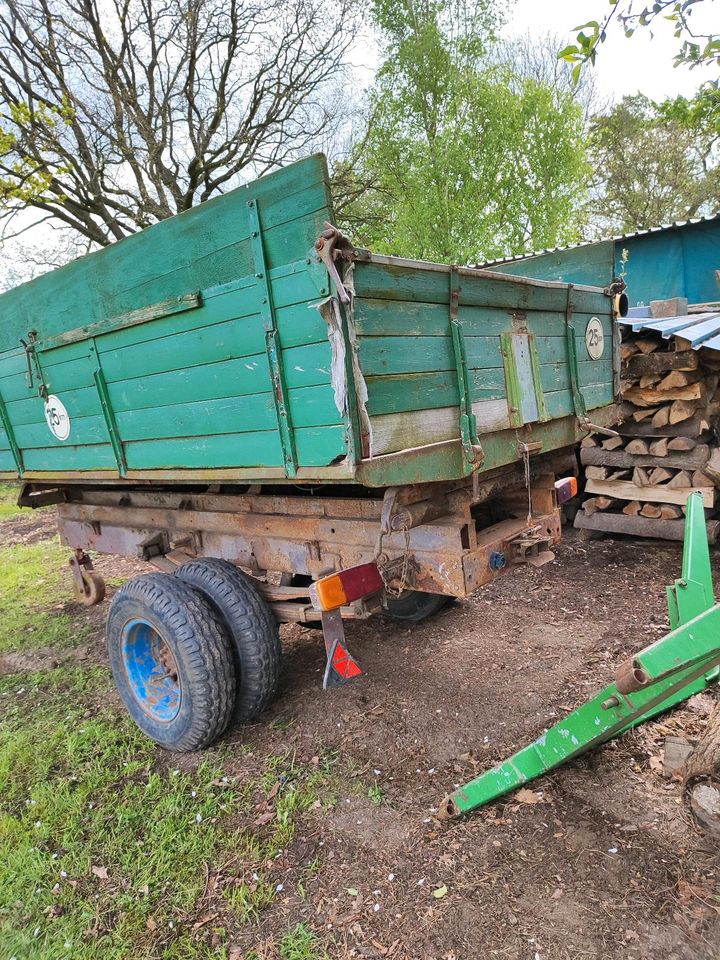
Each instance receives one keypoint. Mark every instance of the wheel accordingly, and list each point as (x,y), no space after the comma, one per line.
(413,605)
(252,628)
(93,589)
(172,661)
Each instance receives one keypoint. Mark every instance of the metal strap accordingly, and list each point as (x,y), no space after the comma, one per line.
(274,355)
(12,442)
(578,399)
(110,422)
(468,421)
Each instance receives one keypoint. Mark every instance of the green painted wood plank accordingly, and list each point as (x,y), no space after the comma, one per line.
(396,282)
(308,365)
(7,464)
(84,431)
(209,381)
(207,246)
(399,318)
(318,446)
(13,363)
(229,340)
(70,458)
(83,402)
(247,414)
(313,406)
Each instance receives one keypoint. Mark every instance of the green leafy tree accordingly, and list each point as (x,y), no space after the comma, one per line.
(654,164)
(464,160)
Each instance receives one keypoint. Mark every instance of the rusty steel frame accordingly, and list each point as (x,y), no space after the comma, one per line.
(266,530)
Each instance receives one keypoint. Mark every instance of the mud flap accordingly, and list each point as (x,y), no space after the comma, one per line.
(341,665)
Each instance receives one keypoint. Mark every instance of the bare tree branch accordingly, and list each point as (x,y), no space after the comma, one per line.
(117,114)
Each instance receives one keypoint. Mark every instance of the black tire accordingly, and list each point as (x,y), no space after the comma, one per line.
(165,638)
(413,605)
(252,628)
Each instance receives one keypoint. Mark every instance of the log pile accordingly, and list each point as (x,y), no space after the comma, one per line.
(638,482)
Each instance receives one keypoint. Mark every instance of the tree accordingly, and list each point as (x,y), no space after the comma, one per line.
(117,114)
(697,46)
(650,167)
(466,159)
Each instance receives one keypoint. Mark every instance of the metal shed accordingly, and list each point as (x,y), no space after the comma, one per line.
(674,260)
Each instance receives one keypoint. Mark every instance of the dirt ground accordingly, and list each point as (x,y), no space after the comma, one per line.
(605,863)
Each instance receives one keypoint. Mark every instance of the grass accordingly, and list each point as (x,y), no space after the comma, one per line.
(34,582)
(104,854)
(105,850)
(8,501)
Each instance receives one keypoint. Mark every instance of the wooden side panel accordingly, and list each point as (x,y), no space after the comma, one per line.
(157,346)
(406,350)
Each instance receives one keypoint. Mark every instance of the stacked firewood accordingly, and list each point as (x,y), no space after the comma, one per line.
(638,482)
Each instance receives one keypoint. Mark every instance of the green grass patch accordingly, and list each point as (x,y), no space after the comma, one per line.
(101,854)
(34,578)
(9,493)
(105,851)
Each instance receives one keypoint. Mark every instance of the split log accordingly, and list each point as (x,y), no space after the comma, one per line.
(662,362)
(649,380)
(700,479)
(589,441)
(628,348)
(624,490)
(638,526)
(612,443)
(681,410)
(702,778)
(658,448)
(598,503)
(645,345)
(694,427)
(682,480)
(677,379)
(681,443)
(641,477)
(712,467)
(671,307)
(670,511)
(596,473)
(695,459)
(651,510)
(650,397)
(660,475)
(661,418)
(632,509)
(644,413)
(638,446)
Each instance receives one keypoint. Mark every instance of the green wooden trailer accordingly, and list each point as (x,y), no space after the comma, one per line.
(297,428)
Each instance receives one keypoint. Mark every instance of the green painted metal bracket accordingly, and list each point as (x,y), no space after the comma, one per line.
(189,301)
(10,434)
(578,399)
(660,676)
(110,421)
(274,354)
(472,450)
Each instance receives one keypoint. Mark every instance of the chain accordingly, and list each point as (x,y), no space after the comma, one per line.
(383,562)
(526,465)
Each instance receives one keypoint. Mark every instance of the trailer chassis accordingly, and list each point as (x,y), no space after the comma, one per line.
(441,538)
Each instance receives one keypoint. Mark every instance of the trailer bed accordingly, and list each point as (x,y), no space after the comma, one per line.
(214,347)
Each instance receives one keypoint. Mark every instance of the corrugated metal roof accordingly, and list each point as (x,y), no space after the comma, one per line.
(700,329)
(590,243)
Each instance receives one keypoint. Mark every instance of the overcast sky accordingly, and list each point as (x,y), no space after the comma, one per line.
(624,66)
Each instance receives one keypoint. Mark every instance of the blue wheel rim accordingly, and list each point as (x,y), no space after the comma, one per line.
(151,671)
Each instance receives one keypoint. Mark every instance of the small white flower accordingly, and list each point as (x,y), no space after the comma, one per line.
(198,817)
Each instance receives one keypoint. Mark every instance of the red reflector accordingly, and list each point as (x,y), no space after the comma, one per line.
(360,581)
(565,489)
